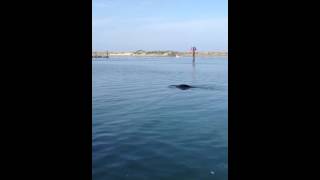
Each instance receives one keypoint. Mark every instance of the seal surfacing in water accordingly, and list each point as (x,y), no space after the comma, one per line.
(182,86)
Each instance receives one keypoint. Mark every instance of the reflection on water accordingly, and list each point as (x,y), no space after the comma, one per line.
(193,71)
(144,130)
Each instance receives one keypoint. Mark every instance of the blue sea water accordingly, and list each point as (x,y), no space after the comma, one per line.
(143,130)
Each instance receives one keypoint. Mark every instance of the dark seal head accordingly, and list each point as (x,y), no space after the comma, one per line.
(181,86)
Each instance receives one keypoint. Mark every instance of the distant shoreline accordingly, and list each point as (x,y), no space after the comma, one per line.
(142,53)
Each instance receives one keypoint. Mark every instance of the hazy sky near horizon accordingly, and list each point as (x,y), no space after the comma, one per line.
(126,25)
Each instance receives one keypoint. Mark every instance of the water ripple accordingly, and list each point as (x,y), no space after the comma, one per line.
(144,130)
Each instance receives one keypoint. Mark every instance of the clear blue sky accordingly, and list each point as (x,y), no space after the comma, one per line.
(126,25)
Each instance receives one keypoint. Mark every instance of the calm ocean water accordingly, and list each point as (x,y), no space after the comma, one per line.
(143,130)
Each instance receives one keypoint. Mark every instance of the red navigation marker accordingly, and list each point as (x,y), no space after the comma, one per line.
(193,48)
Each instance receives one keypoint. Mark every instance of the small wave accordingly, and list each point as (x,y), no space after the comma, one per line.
(206,87)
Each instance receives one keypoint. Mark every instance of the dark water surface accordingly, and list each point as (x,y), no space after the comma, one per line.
(144,130)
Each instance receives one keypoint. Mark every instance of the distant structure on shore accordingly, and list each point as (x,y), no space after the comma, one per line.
(100,54)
